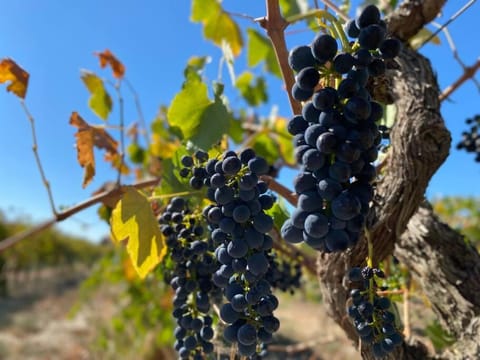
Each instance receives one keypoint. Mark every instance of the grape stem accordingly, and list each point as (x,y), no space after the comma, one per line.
(468,73)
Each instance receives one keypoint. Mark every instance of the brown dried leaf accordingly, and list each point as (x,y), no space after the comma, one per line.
(89,136)
(10,71)
(107,58)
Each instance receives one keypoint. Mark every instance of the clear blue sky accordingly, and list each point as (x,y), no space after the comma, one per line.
(154,39)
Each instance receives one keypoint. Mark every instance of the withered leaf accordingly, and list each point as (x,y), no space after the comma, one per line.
(107,58)
(18,78)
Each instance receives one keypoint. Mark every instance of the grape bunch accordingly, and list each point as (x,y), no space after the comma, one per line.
(471,139)
(194,265)
(239,227)
(336,137)
(373,321)
(284,274)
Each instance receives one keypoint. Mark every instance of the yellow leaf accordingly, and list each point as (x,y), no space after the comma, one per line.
(100,101)
(10,71)
(133,220)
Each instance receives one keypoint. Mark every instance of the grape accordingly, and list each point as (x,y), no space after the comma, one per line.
(343,62)
(299,94)
(325,99)
(241,214)
(309,201)
(357,108)
(371,36)
(362,57)
(258,166)
(297,125)
(347,88)
(304,182)
(301,57)
(313,159)
(368,16)
(390,48)
(470,139)
(351,28)
(310,113)
(326,143)
(316,225)
(324,47)
(346,206)
(307,78)
(231,165)
(312,133)
(329,188)
(186,161)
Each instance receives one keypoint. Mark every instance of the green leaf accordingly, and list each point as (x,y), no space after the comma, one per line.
(100,101)
(133,219)
(259,49)
(389,115)
(236,132)
(279,213)
(265,146)
(418,39)
(284,139)
(201,121)
(293,7)
(253,90)
(194,68)
(187,108)
(218,26)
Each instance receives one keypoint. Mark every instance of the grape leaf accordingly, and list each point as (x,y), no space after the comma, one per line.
(100,101)
(279,213)
(293,7)
(18,78)
(218,26)
(133,220)
(284,140)
(417,40)
(260,49)
(253,90)
(201,120)
(107,58)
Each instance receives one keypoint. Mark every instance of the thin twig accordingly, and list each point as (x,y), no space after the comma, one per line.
(452,18)
(138,106)
(37,157)
(452,46)
(280,189)
(468,73)
(12,240)
(335,8)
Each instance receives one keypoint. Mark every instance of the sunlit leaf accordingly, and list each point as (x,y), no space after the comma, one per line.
(133,220)
(194,68)
(100,101)
(284,139)
(419,38)
(253,90)
(259,49)
(279,213)
(201,120)
(265,146)
(218,26)
(293,7)
(11,72)
(107,58)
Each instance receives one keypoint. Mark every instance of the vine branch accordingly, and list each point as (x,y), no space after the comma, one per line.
(468,73)
(109,194)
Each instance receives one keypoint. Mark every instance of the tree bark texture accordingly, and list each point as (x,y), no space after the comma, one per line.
(438,257)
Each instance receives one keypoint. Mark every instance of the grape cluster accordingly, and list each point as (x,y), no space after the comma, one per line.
(194,267)
(239,227)
(373,321)
(284,274)
(471,139)
(336,137)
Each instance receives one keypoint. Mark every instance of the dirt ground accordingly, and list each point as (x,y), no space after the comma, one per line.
(35,324)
